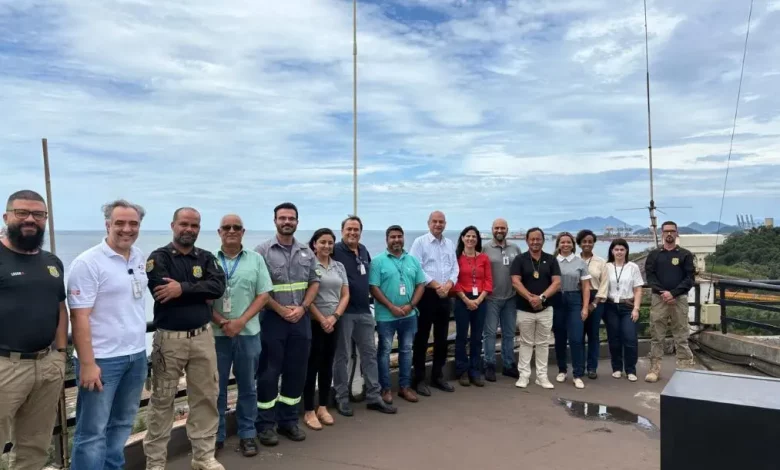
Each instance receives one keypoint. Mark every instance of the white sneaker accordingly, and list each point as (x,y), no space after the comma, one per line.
(617,375)
(522,382)
(208,464)
(632,378)
(544,382)
(579,383)
(560,378)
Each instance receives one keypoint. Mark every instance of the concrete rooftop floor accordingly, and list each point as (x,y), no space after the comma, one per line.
(495,427)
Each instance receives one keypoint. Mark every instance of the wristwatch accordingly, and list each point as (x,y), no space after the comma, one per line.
(543,298)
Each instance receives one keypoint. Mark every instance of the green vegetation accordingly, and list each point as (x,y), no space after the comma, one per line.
(754,254)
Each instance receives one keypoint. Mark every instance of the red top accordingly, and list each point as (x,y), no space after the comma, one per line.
(474,271)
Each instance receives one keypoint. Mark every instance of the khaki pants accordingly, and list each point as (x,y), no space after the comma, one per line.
(535,331)
(173,355)
(29,393)
(676,317)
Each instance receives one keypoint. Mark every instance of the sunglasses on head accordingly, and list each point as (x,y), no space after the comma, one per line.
(234,227)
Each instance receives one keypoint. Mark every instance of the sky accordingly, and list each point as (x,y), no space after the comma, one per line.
(531,110)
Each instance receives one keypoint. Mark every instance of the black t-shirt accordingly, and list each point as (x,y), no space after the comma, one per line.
(525,267)
(358,279)
(31,289)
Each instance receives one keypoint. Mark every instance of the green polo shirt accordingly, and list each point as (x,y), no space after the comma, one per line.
(388,272)
(249,280)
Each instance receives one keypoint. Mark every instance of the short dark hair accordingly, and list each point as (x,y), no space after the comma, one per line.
(586,233)
(319,234)
(668,222)
(286,205)
(617,242)
(532,230)
(26,195)
(180,209)
(393,228)
(352,217)
(462,246)
(558,241)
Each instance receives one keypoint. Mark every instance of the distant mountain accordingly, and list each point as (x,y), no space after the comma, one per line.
(680,230)
(597,224)
(712,227)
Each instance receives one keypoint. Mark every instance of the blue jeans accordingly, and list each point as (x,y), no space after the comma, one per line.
(568,324)
(104,420)
(406,328)
(592,326)
(622,337)
(465,318)
(242,352)
(503,312)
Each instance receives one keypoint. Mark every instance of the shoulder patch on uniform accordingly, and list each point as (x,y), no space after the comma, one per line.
(197,272)
(54,271)
(149,266)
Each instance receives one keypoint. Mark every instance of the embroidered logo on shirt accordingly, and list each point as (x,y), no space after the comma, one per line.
(318,272)
(17,273)
(149,265)
(53,271)
(197,272)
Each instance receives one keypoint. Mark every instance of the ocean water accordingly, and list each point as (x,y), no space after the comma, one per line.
(71,243)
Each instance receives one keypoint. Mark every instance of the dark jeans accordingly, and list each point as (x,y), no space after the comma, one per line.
(592,326)
(568,324)
(323,349)
(622,337)
(241,354)
(406,328)
(465,318)
(434,312)
(105,419)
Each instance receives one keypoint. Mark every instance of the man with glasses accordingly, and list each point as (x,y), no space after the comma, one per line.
(670,273)
(33,331)
(286,329)
(237,329)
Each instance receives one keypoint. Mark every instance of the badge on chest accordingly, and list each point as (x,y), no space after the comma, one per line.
(197,272)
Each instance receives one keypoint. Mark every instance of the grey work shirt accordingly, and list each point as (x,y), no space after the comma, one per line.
(332,279)
(291,270)
(502,279)
(574,270)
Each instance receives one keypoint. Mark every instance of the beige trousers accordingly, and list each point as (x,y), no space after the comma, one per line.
(672,317)
(535,332)
(29,393)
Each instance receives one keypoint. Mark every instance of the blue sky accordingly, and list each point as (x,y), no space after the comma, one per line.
(527,109)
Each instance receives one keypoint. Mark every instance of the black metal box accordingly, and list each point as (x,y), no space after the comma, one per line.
(714,421)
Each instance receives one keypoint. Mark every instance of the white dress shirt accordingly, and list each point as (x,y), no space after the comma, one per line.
(437,258)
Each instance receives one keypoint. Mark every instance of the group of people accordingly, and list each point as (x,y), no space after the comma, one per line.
(287,312)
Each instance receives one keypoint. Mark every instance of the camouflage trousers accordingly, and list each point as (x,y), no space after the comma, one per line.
(665,317)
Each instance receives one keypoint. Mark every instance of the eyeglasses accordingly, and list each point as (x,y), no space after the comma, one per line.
(234,227)
(22,214)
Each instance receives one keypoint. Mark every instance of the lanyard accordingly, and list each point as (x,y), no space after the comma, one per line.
(228,275)
(400,271)
(622,268)
(473,269)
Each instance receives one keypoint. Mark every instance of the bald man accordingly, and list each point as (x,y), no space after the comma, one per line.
(501,306)
(237,329)
(440,265)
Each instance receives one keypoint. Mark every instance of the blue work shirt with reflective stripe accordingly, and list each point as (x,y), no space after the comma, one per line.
(291,270)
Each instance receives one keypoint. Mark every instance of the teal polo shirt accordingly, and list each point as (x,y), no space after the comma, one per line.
(387,273)
(249,280)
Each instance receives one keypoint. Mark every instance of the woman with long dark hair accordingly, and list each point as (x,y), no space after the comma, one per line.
(570,309)
(327,308)
(475,282)
(599,283)
(621,311)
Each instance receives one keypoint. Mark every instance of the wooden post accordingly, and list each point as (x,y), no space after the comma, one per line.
(62,412)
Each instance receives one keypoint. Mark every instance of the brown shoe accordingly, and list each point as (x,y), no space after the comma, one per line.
(655,371)
(408,395)
(310,418)
(324,417)
(387,396)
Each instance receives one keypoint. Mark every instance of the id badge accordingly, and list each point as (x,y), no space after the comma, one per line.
(474,291)
(506,260)
(226,303)
(362,269)
(402,290)
(617,299)
(137,291)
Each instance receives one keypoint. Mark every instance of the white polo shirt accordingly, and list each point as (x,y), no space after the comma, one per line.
(102,279)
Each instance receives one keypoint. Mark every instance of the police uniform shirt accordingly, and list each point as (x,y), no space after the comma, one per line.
(670,270)
(201,279)
(31,289)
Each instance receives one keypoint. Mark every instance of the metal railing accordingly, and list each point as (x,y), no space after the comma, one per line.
(761,302)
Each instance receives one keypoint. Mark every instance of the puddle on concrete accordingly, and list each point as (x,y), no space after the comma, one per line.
(614,414)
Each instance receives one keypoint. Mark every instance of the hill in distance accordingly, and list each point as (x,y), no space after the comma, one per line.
(712,227)
(597,224)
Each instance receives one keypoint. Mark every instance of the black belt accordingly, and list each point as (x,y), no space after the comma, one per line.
(622,302)
(184,334)
(26,356)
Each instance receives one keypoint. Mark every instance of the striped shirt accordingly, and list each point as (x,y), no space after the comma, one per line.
(573,271)
(437,258)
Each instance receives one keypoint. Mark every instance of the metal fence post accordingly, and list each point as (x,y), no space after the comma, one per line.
(722,300)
